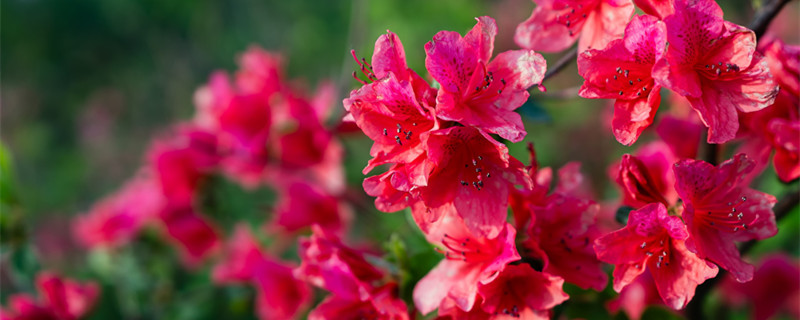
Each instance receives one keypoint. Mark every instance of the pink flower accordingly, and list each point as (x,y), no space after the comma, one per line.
(469,260)
(655,240)
(476,91)
(240,113)
(658,8)
(775,287)
(392,189)
(562,225)
(60,299)
(682,136)
(473,171)
(555,24)
(449,310)
(117,219)
(713,64)
(330,265)
(622,71)
(182,161)
(260,71)
(390,114)
(777,127)
(647,177)
(561,234)
(719,209)
(637,296)
(189,230)
(280,295)
(382,303)
(787,148)
(521,292)
(299,137)
(302,204)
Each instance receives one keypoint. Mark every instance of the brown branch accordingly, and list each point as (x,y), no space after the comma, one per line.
(765,15)
(561,64)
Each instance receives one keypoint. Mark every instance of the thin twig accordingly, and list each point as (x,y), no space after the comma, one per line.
(711,152)
(765,15)
(561,64)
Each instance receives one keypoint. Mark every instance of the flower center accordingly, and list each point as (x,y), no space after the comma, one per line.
(571,16)
(725,217)
(718,70)
(474,173)
(464,249)
(660,249)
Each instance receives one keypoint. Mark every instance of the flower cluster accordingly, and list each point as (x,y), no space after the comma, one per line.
(710,61)
(509,235)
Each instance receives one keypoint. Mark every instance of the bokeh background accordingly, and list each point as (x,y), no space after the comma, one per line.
(87,84)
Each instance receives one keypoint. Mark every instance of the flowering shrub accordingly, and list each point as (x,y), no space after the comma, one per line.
(489,236)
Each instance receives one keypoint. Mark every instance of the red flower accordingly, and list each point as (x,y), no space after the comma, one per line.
(61,299)
(647,177)
(655,240)
(658,8)
(473,171)
(117,219)
(382,303)
(280,295)
(476,91)
(622,71)
(189,230)
(469,260)
(302,204)
(555,24)
(713,63)
(636,296)
(390,114)
(560,234)
(392,189)
(777,127)
(521,292)
(719,209)
(330,265)
(775,287)
(182,161)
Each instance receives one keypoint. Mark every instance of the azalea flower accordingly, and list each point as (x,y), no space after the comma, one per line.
(521,292)
(473,171)
(657,8)
(562,228)
(655,241)
(190,231)
(646,177)
(329,264)
(279,294)
(637,296)
(713,63)
(469,260)
(302,203)
(777,127)
(555,24)
(60,299)
(477,90)
(622,71)
(719,210)
(116,220)
(390,114)
(393,189)
(382,303)
(775,287)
